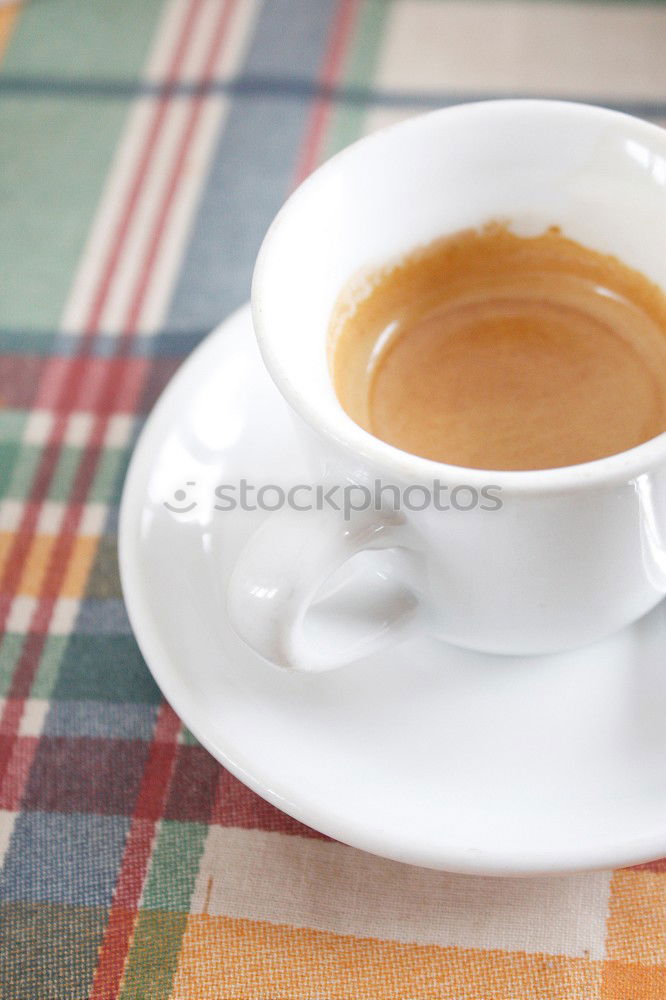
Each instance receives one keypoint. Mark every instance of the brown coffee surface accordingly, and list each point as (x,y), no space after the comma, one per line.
(496,351)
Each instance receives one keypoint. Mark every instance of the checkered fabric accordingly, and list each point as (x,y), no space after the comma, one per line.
(144,148)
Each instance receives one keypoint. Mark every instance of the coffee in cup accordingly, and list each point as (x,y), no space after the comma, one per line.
(492,350)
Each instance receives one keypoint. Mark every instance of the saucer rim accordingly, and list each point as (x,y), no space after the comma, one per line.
(340,827)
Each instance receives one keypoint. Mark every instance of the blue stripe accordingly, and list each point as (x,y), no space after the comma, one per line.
(262,85)
(101,720)
(103,617)
(53,343)
(58,858)
(253,165)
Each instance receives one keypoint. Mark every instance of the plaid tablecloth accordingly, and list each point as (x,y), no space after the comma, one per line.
(144,147)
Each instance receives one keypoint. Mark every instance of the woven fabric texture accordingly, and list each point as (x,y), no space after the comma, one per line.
(144,148)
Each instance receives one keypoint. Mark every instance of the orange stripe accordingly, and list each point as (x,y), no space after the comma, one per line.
(8,18)
(81,559)
(633,982)
(35,566)
(636,927)
(6,539)
(223,958)
(75,579)
(636,937)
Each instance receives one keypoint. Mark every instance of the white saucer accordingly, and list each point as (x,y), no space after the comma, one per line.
(426,754)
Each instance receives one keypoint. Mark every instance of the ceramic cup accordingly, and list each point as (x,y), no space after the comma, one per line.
(570,554)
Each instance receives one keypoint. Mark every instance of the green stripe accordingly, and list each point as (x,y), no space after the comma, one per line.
(188,738)
(69,38)
(359,70)
(49,200)
(174,866)
(50,662)
(48,949)
(18,464)
(12,424)
(10,650)
(153,957)
(23,472)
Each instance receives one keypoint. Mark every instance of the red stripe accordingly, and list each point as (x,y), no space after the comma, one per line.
(18,377)
(77,374)
(116,375)
(177,170)
(21,757)
(159,768)
(11,717)
(122,229)
(330,74)
(115,947)
(74,375)
(157,775)
(138,846)
(235,805)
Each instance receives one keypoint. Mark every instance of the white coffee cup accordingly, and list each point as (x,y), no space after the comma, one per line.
(572,554)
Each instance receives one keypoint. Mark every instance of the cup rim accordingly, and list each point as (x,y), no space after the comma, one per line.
(344,433)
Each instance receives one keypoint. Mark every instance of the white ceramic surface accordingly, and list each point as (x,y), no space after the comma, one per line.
(425,753)
(575,553)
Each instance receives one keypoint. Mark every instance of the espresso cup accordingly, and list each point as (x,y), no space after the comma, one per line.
(563,556)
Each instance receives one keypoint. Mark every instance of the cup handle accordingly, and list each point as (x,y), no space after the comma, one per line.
(286,563)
